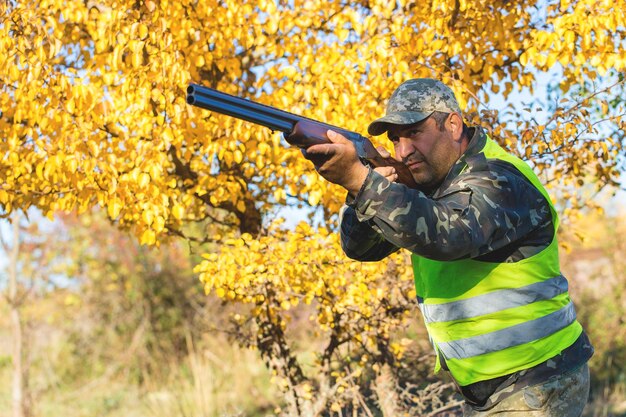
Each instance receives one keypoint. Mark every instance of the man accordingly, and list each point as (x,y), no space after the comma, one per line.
(482,232)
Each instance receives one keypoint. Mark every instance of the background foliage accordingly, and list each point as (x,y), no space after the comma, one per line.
(93,117)
(132,334)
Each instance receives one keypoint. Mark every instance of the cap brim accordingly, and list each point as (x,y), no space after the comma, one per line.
(380,126)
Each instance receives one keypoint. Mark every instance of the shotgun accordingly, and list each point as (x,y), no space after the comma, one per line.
(297,130)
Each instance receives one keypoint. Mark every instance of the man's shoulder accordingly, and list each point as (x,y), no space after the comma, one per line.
(494,184)
(496,174)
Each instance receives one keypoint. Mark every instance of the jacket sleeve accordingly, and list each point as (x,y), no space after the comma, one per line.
(477,214)
(360,240)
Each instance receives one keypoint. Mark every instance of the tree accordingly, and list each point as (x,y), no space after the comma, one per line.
(31,266)
(140,305)
(94,114)
(21,397)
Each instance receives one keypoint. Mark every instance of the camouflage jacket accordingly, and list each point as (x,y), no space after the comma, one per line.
(483,209)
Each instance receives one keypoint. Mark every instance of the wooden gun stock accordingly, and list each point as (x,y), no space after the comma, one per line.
(306,133)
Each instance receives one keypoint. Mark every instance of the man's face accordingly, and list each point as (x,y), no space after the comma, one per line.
(428,151)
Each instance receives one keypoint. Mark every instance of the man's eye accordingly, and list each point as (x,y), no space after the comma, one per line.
(394,138)
(413,132)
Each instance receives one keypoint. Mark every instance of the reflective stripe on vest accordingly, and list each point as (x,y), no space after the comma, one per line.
(510,336)
(494,301)
(493,319)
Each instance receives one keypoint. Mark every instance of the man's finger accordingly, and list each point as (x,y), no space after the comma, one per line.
(336,137)
(324,149)
(385,171)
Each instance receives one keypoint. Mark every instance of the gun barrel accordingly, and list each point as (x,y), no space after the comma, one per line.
(214,100)
(299,130)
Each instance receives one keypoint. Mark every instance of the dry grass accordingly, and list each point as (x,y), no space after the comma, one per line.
(215,380)
(218,380)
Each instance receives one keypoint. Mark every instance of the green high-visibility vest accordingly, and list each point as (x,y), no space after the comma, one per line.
(492,319)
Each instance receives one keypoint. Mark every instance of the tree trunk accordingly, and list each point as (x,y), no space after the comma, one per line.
(20,394)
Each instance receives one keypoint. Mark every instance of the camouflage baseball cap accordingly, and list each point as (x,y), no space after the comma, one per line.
(413,101)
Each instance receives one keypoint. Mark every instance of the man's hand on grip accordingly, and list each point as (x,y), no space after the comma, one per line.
(388,172)
(338,162)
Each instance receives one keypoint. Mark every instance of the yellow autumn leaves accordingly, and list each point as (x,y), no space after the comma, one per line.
(292,267)
(93,95)
(94,112)
(586,36)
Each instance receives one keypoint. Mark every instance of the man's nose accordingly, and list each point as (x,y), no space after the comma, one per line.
(404,148)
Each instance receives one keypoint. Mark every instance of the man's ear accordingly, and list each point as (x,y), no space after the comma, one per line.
(455,126)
